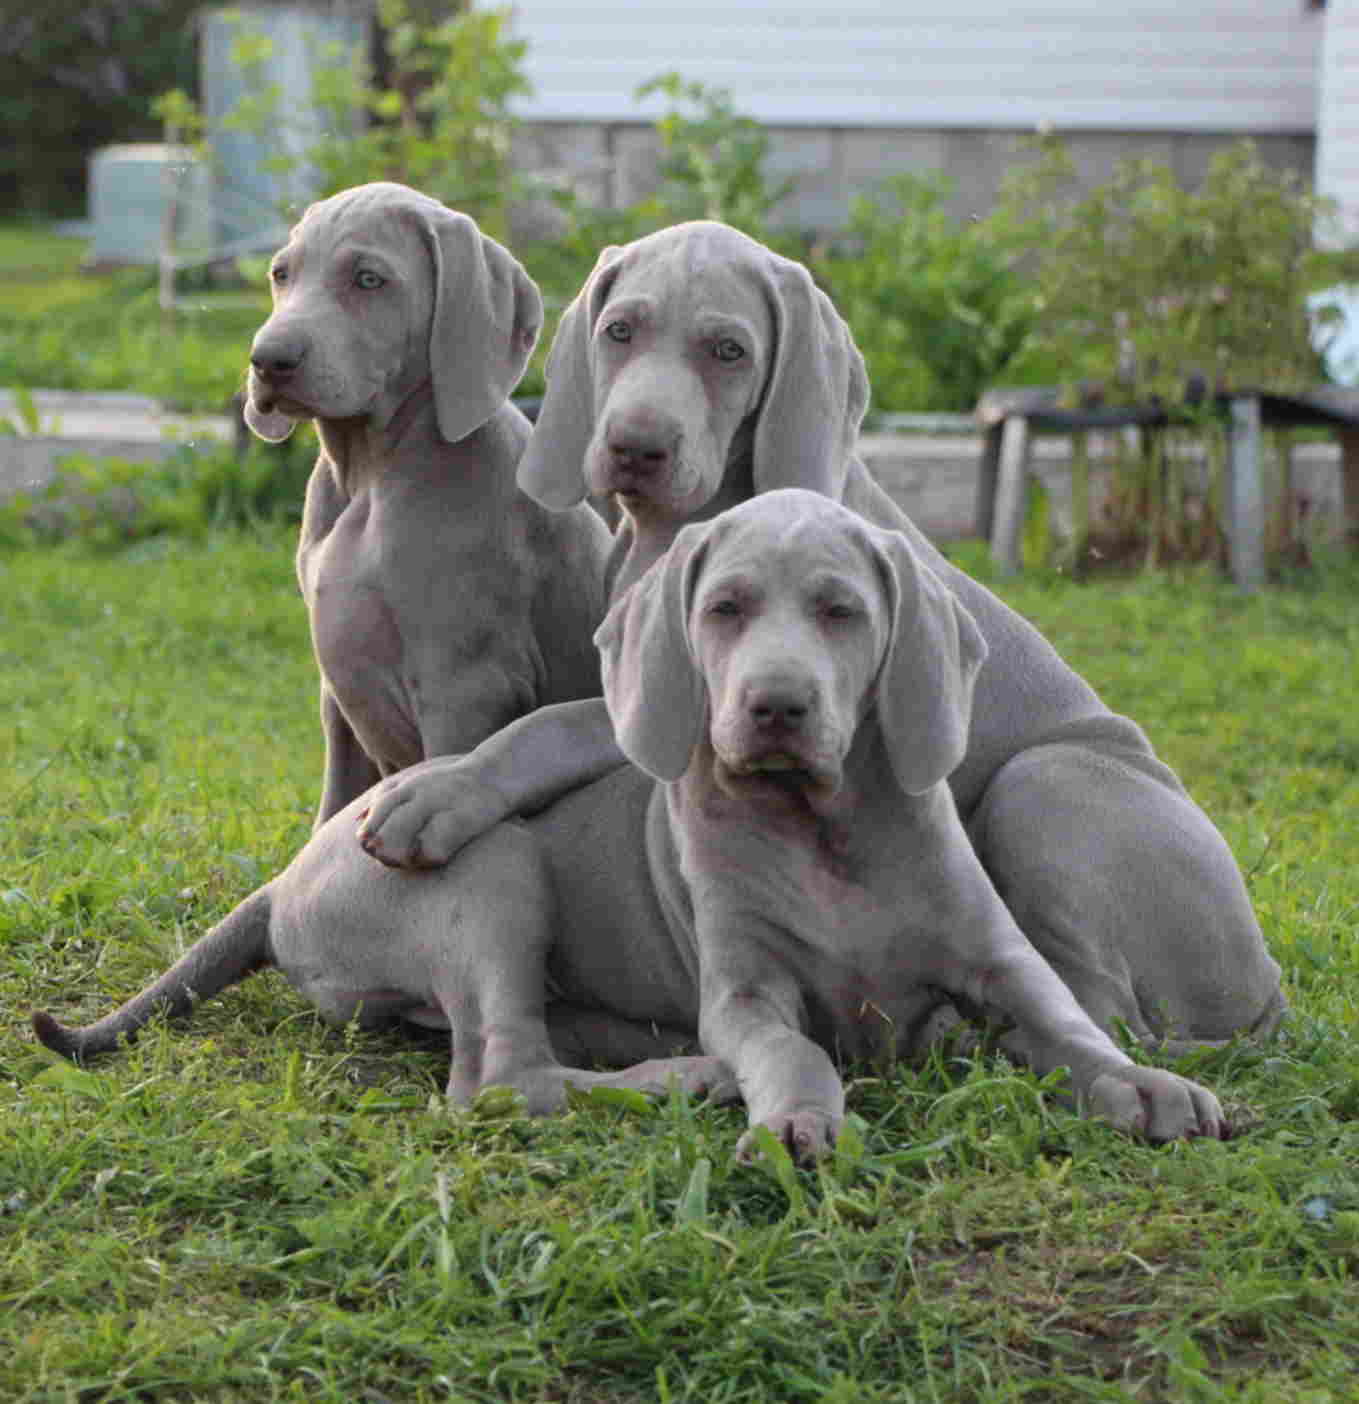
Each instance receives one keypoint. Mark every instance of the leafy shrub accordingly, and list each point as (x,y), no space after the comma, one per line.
(936,304)
(106,503)
(712,167)
(76,77)
(442,121)
(714,158)
(1149,289)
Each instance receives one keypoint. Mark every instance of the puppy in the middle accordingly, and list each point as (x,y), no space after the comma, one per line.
(687,359)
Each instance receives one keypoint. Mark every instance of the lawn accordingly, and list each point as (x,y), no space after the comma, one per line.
(255,1207)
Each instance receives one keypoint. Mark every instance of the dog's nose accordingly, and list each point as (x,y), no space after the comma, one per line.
(277,359)
(642,444)
(777,706)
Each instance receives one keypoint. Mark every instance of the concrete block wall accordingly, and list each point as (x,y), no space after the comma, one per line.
(616,164)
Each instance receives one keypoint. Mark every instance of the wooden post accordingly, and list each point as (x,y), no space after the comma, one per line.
(1008,524)
(1246,497)
(1080,498)
(1349,482)
(169,214)
(988,471)
(1283,534)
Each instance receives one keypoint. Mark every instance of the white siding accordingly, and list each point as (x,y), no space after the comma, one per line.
(1219,65)
(1337,163)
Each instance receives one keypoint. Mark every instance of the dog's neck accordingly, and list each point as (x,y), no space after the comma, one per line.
(647,531)
(360,449)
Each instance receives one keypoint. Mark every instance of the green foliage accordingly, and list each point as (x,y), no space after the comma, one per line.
(713,167)
(76,77)
(714,158)
(1143,284)
(305,1193)
(64,329)
(936,303)
(107,503)
(442,123)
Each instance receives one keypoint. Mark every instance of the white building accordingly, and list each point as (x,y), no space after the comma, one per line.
(854,90)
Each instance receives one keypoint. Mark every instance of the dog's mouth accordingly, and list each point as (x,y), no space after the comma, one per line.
(267,399)
(777,772)
(674,486)
(271,416)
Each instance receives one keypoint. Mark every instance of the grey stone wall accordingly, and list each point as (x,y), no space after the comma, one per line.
(615,164)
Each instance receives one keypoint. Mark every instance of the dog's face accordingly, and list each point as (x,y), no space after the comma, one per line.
(774,629)
(349,333)
(695,360)
(681,350)
(789,626)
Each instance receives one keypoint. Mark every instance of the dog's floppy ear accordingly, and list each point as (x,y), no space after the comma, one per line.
(552,469)
(487,316)
(934,652)
(652,685)
(817,391)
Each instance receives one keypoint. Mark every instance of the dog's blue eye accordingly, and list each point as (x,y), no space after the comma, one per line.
(618,331)
(727,608)
(366,279)
(840,611)
(279,273)
(728,350)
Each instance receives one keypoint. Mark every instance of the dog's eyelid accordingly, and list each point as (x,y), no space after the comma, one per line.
(729,598)
(631,313)
(840,603)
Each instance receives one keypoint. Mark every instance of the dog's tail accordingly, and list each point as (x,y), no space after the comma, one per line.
(236,947)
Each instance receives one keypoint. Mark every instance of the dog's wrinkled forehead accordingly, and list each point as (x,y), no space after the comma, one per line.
(811,534)
(699,263)
(366,213)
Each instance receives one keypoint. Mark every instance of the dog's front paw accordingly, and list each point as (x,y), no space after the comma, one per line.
(698,1075)
(807,1134)
(1156,1105)
(421,817)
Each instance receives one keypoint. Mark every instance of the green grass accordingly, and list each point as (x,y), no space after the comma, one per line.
(255,1207)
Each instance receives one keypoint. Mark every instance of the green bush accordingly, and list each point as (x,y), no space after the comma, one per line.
(441,122)
(107,503)
(1148,288)
(937,306)
(76,77)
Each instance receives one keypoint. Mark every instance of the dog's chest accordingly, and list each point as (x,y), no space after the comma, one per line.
(416,634)
(845,919)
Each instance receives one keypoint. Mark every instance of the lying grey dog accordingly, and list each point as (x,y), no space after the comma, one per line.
(805,888)
(697,368)
(444,603)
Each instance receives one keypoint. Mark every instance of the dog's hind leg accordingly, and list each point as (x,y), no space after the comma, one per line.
(490,978)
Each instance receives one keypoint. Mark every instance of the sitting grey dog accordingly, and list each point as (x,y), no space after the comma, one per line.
(444,602)
(800,684)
